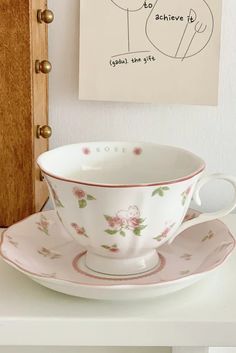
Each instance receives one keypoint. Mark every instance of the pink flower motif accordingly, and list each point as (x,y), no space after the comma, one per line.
(125,220)
(115,222)
(133,223)
(43,224)
(86,150)
(185,194)
(137,151)
(112,248)
(79,193)
(79,230)
(83,197)
(165,233)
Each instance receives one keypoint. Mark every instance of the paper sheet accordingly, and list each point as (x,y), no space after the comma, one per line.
(159,51)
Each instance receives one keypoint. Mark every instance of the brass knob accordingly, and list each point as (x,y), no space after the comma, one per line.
(43,66)
(44,131)
(46,16)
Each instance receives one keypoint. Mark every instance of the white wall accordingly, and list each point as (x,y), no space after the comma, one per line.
(208,131)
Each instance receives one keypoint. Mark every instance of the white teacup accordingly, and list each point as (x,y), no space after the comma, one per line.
(123,200)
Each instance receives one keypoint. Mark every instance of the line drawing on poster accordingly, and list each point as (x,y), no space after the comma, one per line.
(189,37)
(125,6)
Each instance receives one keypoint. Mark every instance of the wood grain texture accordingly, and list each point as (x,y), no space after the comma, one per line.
(40,96)
(17,130)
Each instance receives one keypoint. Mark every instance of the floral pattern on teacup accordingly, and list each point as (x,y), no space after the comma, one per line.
(125,220)
(165,233)
(52,255)
(137,151)
(160,191)
(43,224)
(111,248)
(57,201)
(185,194)
(79,230)
(86,150)
(82,197)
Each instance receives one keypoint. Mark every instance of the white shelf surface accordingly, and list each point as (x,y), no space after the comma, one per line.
(202,315)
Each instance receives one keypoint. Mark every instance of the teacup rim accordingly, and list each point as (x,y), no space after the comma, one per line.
(108,185)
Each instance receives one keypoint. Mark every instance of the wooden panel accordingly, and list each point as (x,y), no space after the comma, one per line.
(40,96)
(23,105)
(16,187)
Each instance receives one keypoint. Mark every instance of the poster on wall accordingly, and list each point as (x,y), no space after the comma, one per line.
(155,51)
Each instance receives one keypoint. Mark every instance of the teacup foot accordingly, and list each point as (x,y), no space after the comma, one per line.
(122,267)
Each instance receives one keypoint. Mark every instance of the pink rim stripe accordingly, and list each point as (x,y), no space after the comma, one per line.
(157,269)
(124,185)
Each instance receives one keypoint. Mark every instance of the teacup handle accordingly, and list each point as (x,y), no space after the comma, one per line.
(204,217)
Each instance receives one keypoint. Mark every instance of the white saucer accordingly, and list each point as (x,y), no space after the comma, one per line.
(40,248)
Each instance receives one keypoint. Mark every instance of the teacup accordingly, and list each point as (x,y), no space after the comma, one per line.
(123,200)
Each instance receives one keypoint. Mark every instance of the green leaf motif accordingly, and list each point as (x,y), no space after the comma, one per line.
(108,218)
(158,238)
(183,200)
(43,230)
(141,227)
(122,233)
(90,197)
(58,203)
(82,203)
(111,232)
(141,220)
(106,247)
(155,192)
(160,191)
(137,231)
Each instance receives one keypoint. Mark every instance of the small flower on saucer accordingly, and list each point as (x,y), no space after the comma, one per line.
(52,255)
(186,257)
(184,273)
(209,236)
(43,224)
(79,230)
(113,248)
(12,241)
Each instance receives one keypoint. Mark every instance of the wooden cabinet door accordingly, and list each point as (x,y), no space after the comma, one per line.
(23,106)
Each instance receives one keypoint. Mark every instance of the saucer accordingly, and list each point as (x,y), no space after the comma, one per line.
(40,248)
